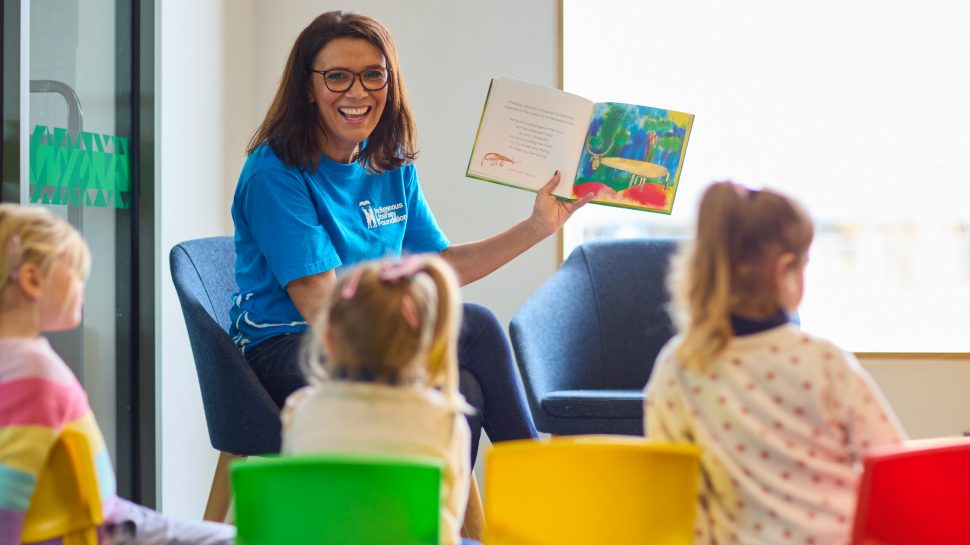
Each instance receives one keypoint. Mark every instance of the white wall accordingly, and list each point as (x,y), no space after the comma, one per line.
(201,90)
(220,62)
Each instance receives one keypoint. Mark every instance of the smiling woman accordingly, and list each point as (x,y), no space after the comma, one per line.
(330,182)
(350,112)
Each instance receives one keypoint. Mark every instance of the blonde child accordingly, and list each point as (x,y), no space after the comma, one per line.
(782,417)
(388,379)
(43,266)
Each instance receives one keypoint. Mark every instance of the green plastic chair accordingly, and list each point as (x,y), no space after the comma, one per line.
(346,499)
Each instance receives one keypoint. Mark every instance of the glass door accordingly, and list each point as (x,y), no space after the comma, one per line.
(79,137)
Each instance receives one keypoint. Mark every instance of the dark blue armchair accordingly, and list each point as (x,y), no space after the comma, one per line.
(586,341)
(242,418)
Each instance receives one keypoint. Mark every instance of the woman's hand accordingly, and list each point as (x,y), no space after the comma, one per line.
(550,212)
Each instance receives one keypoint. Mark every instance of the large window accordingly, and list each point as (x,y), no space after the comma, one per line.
(859,109)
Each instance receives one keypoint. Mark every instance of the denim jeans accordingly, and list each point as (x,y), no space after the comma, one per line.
(487,377)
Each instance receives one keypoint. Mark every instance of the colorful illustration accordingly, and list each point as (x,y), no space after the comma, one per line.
(625,155)
(633,156)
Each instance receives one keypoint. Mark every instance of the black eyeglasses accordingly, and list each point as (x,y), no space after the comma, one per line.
(340,80)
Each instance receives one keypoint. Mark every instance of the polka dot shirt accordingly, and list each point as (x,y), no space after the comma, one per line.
(782,419)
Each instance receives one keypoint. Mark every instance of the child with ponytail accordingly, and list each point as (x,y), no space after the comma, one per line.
(43,266)
(782,417)
(387,381)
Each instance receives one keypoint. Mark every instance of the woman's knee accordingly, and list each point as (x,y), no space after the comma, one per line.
(479,322)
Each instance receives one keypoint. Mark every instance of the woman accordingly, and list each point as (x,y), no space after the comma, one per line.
(329,182)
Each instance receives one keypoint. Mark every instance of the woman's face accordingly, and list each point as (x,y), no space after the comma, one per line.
(348,117)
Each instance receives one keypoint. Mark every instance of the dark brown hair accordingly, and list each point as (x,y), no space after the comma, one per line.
(292,126)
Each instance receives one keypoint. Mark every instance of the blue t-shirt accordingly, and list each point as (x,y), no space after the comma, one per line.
(291,223)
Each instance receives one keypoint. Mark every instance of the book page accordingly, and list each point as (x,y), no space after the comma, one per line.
(633,156)
(528,132)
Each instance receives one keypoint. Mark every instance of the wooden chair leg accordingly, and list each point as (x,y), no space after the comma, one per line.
(474,524)
(217,508)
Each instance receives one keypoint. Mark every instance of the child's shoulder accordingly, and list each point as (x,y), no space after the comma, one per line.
(37,387)
(815,346)
(32,358)
(337,393)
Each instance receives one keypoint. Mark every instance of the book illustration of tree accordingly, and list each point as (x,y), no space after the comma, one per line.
(630,154)
(493,159)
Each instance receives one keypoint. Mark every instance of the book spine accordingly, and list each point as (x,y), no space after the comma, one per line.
(478,131)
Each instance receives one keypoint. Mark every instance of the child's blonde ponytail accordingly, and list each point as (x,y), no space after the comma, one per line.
(726,268)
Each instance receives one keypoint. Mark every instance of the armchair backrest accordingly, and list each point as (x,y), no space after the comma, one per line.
(602,316)
(241,416)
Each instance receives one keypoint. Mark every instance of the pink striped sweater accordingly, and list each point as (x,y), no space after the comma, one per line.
(40,398)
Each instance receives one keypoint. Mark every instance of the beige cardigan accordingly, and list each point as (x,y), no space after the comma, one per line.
(342,416)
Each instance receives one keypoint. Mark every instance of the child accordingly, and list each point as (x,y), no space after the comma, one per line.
(782,418)
(43,265)
(388,382)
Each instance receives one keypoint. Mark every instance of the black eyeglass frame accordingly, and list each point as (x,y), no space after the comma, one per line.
(355,76)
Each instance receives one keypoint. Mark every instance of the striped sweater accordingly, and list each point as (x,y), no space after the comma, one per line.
(39,399)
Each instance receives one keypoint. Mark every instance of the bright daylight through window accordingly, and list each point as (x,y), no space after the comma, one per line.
(859,109)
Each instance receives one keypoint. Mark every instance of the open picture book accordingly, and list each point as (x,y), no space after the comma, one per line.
(627,155)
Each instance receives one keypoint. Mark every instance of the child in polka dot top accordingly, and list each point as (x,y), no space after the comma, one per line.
(782,417)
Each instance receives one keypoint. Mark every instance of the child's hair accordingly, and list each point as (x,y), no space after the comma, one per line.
(31,234)
(391,321)
(727,267)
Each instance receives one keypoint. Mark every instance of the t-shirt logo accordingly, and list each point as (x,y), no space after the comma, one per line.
(368,211)
(382,215)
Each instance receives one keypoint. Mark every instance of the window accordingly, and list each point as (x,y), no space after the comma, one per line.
(861,110)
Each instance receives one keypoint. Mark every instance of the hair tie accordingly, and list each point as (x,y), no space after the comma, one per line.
(745,192)
(410,312)
(350,286)
(402,268)
(13,254)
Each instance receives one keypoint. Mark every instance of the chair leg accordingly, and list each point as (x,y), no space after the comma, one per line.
(474,524)
(217,508)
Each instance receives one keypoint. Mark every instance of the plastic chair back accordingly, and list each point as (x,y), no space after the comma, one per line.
(915,494)
(345,499)
(596,489)
(66,502)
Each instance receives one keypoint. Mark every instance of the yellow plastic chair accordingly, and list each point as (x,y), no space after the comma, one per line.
(66,502)
(586,490)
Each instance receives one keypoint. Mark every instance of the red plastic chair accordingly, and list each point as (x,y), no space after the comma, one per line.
(915,494)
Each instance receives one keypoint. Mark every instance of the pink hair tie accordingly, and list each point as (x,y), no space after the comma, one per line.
(16,259)
(350,286)
(410,312)
(405,267)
